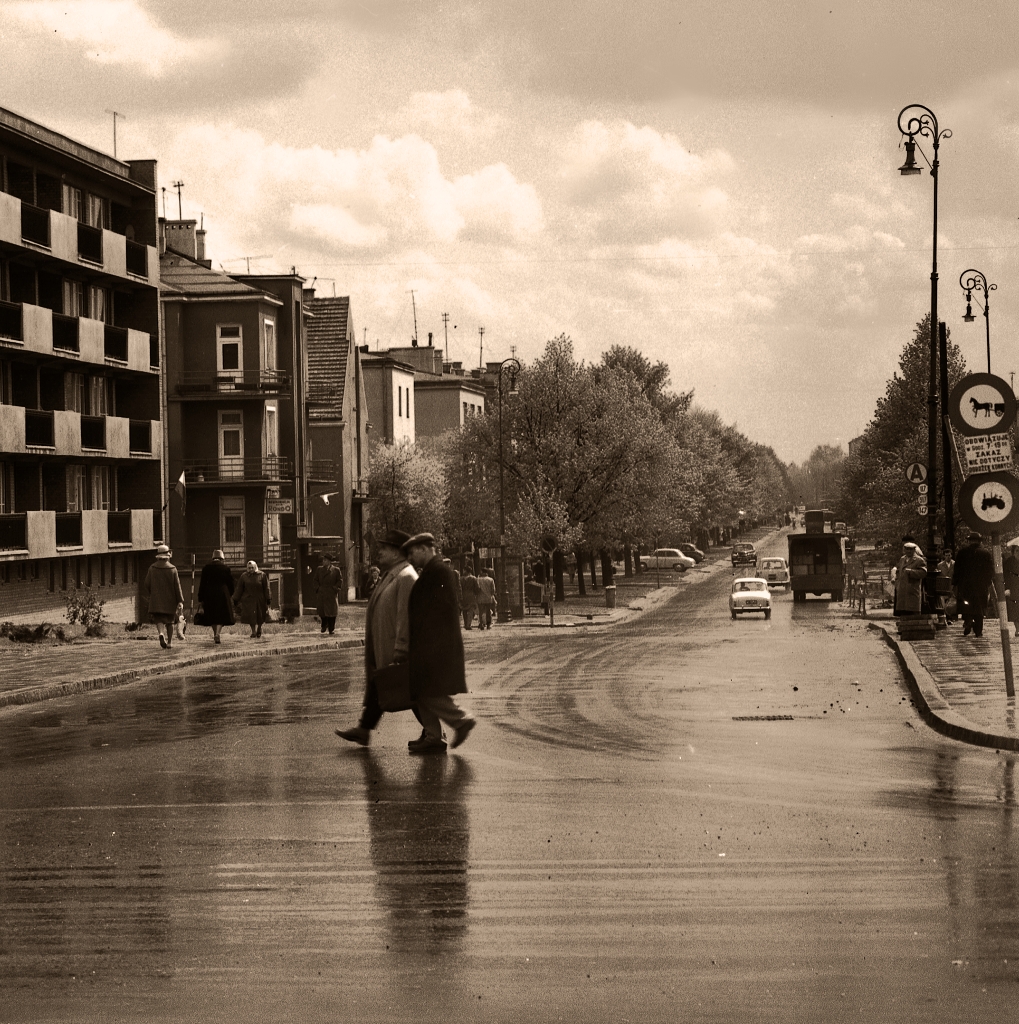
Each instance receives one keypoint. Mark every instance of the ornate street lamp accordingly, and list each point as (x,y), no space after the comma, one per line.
(973,281)
(513,366)
(916,119)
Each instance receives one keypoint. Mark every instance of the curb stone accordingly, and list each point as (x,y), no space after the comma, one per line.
(36,694)
(933,708)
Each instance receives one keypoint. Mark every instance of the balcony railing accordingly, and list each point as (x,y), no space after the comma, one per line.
(13,532)
(157,525)
(38,429)
(267,556)
(238,382)
(93,432)
(65,332)
(137,259)
(35,224)
(140,437)
(115,343)
(118,527)
(234,468)
(321,470)
(68,529)
(90,243)
(361,491)
(10,321)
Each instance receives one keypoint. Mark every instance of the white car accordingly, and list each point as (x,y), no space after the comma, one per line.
(775,571)
(750,594)
(668,558)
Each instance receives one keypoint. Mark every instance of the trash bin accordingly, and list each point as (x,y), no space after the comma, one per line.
(610,596)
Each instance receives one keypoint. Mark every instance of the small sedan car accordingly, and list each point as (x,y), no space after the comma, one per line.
(743,554)
(750,594)
(692,551)
(668,558)
(775,571)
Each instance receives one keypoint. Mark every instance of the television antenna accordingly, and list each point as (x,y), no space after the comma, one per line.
(123,117)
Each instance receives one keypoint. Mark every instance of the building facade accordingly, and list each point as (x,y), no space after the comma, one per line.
(389,392)
(81,428)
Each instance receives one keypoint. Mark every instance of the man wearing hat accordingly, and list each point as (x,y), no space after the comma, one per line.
(973,575)
(436,649)
(387,631)
(163,594)
(328,583)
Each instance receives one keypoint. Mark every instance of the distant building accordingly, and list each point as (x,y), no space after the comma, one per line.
(81,431)
(855,444)
(389,392)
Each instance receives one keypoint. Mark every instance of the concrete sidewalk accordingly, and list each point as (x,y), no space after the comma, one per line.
(958,683)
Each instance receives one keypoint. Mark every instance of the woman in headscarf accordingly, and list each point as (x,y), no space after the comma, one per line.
(910,572)
(215,592)
(252,597)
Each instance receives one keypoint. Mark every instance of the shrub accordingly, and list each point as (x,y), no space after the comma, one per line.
(86,607)
(30,634)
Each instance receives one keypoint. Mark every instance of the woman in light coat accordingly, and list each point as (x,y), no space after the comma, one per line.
(910,572)
(163,594)
(252,597)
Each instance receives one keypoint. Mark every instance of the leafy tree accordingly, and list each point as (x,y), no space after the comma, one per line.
(408,488)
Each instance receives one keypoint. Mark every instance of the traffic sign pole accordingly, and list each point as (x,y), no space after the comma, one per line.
(999,594)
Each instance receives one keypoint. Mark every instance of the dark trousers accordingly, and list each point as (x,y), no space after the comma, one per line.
(371,713)
(468,614)
(328,622)
(972,610)
(484,616)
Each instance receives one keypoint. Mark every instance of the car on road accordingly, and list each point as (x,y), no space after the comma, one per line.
(668,558)
(775,571)
(743,554)
(692,551)
(750,594)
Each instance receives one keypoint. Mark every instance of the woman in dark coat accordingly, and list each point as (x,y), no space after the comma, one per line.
(252,597)
(436,649)
(215,594)
(1010,568)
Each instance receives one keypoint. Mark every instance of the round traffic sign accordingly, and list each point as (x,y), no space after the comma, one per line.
(549,544)
(990,501)
(916,472)
(981,404)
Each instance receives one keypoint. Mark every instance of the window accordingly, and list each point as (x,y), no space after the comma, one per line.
(272,431)
(5,382)
(99,487)
(6,492)
(408,403)
(98,211)
(75,493)
(74,298)
(97,396)
(229,342)
(231,528)
(272,519)
(231,445)
(100,304)
(269,334)
(466,413)
(73,202)
(399,395)
(74,392)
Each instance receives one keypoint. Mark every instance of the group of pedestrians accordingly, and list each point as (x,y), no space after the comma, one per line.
(222,600)
(477,597)
(413,618)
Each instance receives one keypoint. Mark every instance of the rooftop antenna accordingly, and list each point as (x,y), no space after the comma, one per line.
(445,331)
(481,354)
(116,114)
(413,304)
(164,201)
(178,185)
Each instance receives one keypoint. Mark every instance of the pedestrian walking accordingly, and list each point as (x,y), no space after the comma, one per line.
(909,574)
(215,596)
(486,599)
(164,595)
(468,596)
(386,631)
(371,581)
(436,650)
(1010,569)
(328,581)
(946,567)
(252,598)
(974,573)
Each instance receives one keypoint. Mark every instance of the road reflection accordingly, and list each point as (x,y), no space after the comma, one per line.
(419,839)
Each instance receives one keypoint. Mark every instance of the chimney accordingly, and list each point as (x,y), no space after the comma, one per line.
(429,339)
(200,245)
(182,237)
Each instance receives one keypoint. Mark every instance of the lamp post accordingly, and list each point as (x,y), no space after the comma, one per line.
(920,120)
(973,281)
(503,614)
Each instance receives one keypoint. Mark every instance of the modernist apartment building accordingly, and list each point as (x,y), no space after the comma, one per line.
(337,439)
(81,440)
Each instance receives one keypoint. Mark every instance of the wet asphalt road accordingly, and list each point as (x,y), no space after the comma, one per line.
(625,837)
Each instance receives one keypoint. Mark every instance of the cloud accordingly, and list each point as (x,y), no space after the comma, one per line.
(113,32)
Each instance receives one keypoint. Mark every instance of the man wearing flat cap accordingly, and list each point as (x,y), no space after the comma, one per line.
(973,575)
(436,649)
(387,628)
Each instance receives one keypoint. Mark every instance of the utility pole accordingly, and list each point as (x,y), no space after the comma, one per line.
(445,333)
(481,354)
(164,201)
(178,185)
(116,114)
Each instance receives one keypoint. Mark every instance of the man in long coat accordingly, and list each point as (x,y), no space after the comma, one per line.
(974,573)
(387,629)
(468,596)
(909,574)
(328,580)
(436,650)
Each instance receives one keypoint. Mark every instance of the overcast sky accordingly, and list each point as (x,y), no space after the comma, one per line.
(714,184)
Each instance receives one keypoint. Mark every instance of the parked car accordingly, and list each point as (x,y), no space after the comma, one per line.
(668,558)
(692,551)
(743,554)
(750,594)
(775,571)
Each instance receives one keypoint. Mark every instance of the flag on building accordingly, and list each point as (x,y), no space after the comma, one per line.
(182,489)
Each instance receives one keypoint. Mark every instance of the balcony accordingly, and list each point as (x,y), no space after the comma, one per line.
(137,259)
(14,532)
(233,469)
(239,383)
(39,429)
(270,557)
(140,434)
(68,529)
(10,321)
(35,225)
(118,527)
(115,343)
(90,244)
(93,432)
(361,494)
(65,333)
(322,470)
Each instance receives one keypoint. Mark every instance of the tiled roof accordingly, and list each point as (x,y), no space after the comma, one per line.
(179,275)
(328,350)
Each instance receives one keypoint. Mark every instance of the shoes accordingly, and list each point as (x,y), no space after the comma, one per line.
(966,629)
(162,642)
(427,745)
(979,636)
(462,732)
(356,735)
(258,632)
(253,635)
(218,639)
